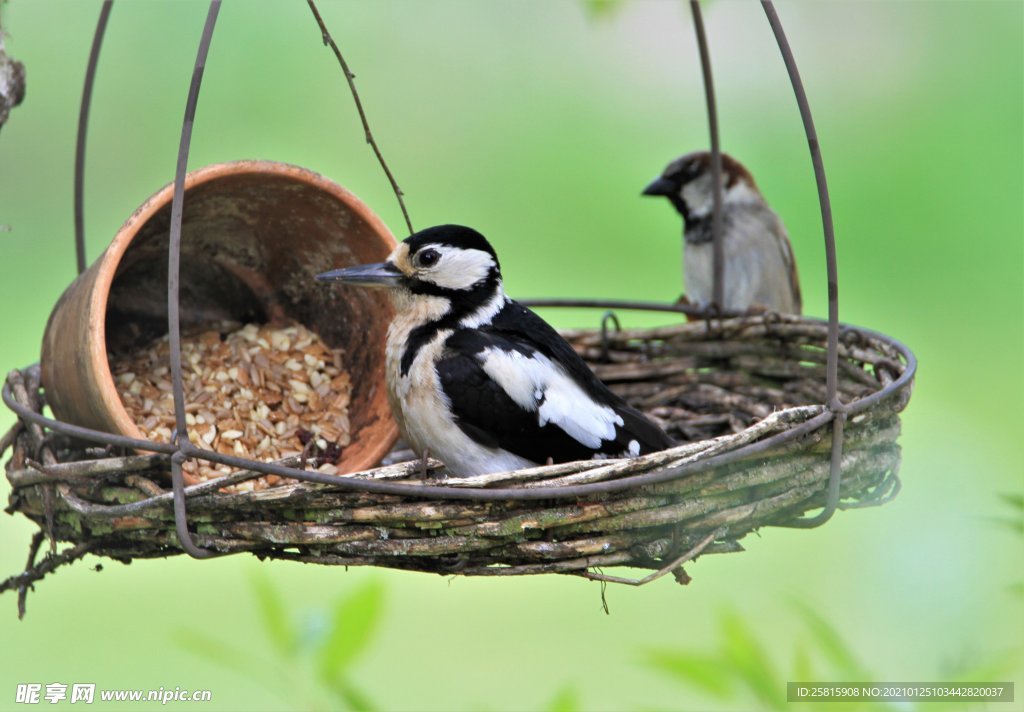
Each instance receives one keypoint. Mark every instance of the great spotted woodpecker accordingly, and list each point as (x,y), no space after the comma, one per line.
(759,269)
(480,381)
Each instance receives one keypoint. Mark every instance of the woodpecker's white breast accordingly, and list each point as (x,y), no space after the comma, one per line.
(420,406)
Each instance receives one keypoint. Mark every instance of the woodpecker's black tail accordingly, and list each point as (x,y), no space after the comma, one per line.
(637,426)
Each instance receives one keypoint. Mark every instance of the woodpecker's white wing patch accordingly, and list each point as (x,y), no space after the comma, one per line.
(536,384)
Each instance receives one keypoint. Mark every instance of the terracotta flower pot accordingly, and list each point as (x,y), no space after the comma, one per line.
(254,234)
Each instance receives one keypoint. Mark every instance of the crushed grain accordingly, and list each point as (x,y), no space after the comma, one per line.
(255,391)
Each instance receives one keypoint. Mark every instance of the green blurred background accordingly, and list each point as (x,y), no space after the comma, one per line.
(539,122)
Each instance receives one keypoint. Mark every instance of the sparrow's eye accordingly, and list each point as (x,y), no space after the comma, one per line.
(427,258)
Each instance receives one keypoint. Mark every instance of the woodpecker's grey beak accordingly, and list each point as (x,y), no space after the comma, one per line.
(661,186)
(382,274)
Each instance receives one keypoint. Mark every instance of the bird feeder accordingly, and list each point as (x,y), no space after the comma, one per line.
(782,416)
(254,234)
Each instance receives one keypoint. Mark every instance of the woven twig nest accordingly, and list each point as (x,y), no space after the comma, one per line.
(743,395)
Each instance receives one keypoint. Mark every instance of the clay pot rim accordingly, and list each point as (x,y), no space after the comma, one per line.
(107,264)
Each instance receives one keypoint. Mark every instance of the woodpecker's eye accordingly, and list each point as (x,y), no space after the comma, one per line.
(427,258)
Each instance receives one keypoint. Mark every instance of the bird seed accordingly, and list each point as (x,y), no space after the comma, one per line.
(257,391)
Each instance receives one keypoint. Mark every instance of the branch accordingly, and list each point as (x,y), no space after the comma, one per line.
(329,41)
(35,572)
(676,563)
(12,82)
(33,551)
(9,437)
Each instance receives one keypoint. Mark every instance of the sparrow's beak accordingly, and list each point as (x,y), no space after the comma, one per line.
(382,274)
(661,186)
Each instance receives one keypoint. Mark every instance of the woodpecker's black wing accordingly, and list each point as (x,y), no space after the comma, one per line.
(517,321)
(517,385)
(485,411)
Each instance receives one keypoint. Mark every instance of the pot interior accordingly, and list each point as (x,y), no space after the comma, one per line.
(251,245)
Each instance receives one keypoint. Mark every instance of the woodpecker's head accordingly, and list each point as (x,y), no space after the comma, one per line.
(686,182)
(447,262)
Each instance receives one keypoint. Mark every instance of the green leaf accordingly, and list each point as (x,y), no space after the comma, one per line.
(744,653)
(212,650)
(602,9)
(355,619)
(232,658)
(567,700)
(1016,525)
(802,669)
(707,673)
(352,697)
(275,618)
(1014,500)
(831,645)
(282,683)
(994,667)
(991,669)
(1016,519)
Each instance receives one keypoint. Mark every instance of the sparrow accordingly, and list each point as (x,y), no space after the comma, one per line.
(759,269)
(480,381)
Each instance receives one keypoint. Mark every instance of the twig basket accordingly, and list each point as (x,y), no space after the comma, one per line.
(748,386)
(777,416)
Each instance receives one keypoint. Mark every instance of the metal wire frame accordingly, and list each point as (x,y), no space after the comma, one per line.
(838,410)
(182,448)
(83,125)
(832,358)
(173,282)
(718,253)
